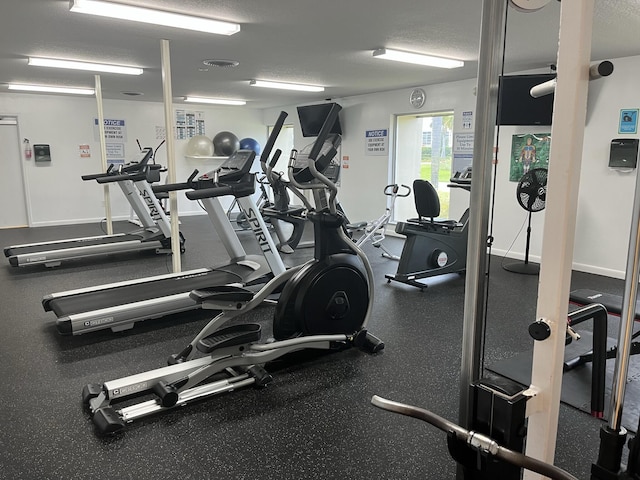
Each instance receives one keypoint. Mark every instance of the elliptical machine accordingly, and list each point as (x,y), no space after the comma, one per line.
(281,211)
(324,304)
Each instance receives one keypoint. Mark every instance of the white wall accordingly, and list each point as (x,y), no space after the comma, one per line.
(606,196)
(57,194)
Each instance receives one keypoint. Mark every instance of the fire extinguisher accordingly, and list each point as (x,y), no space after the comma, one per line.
(27,149)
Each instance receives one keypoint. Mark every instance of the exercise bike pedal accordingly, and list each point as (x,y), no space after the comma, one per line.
(230,337)
(89,391)
(107,421)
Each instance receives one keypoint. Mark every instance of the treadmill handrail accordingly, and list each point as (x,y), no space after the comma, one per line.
(119,178)
(132,167)
(238,190)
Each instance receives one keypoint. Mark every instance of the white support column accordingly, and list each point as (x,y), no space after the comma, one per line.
(103,153)
(171,158)
(565,157)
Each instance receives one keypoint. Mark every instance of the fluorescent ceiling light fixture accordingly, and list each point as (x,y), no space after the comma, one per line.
(155,17)
(46,89)
(286,86)
(417,58)
(74,65)
(216,101)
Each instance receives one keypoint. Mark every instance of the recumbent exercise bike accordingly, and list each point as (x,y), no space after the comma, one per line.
(433,247)
(324,304)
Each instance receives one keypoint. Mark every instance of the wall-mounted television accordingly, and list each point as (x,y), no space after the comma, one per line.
(312,118)
(516,106)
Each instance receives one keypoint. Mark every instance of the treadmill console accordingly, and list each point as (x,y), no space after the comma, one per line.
(233,169)
(236,166)
(140,160)
(463,177)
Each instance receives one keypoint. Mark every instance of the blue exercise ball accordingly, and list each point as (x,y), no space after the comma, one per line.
(225,144)
(250,144)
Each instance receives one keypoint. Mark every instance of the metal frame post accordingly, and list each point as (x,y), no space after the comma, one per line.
(103,153)
(489,68)
(171,157)
(565,158)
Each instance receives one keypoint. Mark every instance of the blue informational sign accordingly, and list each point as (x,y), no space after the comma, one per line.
(628,121)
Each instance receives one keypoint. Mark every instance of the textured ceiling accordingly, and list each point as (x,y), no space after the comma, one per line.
(327,42)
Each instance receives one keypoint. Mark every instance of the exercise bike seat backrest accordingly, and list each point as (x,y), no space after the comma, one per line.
(427,204)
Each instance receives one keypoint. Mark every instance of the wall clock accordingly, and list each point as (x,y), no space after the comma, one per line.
(417,98)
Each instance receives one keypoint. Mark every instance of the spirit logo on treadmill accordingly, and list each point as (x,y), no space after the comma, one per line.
(260,234)
(153,210)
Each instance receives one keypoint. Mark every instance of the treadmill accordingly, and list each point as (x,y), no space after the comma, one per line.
(134,180)
(118,306)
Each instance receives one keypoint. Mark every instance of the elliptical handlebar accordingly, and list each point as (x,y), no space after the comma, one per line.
(474,440)
(323,135)
(277,127)
(324,131)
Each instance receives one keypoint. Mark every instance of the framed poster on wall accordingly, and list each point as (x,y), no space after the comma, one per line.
(528,151)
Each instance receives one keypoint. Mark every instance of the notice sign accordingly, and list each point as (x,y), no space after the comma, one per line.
(628,121)
(114,130)
(377,142)
(462,151)
(115,134)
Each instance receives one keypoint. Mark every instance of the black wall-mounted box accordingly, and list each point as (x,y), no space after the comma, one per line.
(624,153)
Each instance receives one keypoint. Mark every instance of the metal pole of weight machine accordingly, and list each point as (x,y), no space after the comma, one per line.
(489,68)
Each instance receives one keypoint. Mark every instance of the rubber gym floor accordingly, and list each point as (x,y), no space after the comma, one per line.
(314,421)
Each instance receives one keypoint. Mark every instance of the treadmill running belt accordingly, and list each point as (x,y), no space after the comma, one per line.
(146,291)
(21,250)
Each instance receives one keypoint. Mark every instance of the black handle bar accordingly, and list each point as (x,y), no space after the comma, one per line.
(324,131)
(273,137)
(276,157)
(94,176)
(394,189)
(172,187)
(210,192)
(119,178)
(238,190)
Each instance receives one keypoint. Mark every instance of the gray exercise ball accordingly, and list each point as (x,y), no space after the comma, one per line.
(225,143)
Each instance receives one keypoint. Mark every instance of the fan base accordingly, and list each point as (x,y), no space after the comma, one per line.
(524,268)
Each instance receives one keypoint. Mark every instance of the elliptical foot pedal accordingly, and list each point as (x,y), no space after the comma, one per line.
(230,336)
(107,421)
(222,294)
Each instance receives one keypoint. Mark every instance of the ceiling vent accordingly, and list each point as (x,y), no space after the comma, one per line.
(220,63)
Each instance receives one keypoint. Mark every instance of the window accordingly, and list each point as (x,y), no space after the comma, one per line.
(423,150)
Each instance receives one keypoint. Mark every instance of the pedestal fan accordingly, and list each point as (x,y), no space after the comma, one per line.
(531,194)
